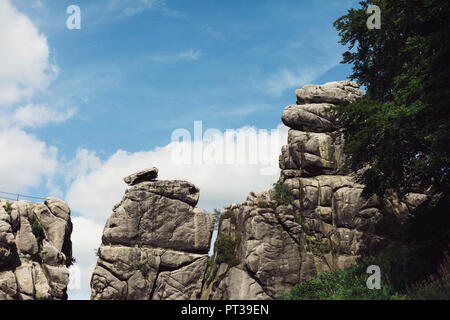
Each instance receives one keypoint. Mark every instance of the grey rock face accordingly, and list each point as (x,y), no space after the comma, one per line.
(338,93)
(313,153)
(35,249)
(154,245)
(141,176)
(328,224)
(312,117)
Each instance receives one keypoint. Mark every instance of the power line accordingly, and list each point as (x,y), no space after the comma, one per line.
(20,195)
(6,198)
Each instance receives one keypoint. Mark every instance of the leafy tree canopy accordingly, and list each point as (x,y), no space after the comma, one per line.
(401,128)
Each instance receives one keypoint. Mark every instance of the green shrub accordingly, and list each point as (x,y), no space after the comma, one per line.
(138,244)
(348,284)
(226,250)
(435,287)
(265,205)
(8,208)
(299,220)
(37,230)
(282,194)
(144,267)
(70,261)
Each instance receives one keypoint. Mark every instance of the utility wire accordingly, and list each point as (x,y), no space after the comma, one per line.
(21,195)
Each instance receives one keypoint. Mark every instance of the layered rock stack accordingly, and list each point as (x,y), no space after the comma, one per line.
(35,249)
(155,244)
(268,244)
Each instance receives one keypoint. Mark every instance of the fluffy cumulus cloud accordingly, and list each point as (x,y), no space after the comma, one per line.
(226,166)
(33,116)
(25,161)
(24,56)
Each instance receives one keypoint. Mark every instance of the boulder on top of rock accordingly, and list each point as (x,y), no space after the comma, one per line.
(150,174)
(338,92)
(155,244)
(173,189)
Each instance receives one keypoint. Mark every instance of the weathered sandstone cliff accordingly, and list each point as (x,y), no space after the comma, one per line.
(35,249)
(155,244)
(314,220)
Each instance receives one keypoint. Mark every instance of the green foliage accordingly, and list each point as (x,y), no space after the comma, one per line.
(422,242)
(144,267)
(434,287)
(282,194)
(265,205)
(226,246)
(318,244)
(70,261)
(211,265)
(299,220)
(415,268)
(348,284)
(402,127)
(217,215)
(8,208)
(37,230)
(138,244)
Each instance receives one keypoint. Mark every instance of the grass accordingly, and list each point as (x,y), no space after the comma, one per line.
(350,283)
(435,287)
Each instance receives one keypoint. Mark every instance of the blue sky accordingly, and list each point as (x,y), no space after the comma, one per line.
(136,77)
(85,107)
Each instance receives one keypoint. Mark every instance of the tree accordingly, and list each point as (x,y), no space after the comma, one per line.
(400,131)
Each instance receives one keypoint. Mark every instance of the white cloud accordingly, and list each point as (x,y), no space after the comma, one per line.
(95,186)
(25,161)
(34,116)
(86,238)
(293,78)
(24,53)
(285,79)
(186,55)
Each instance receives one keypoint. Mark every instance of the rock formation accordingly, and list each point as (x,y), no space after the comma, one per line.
(155,244)
(314,220)
(35,249)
